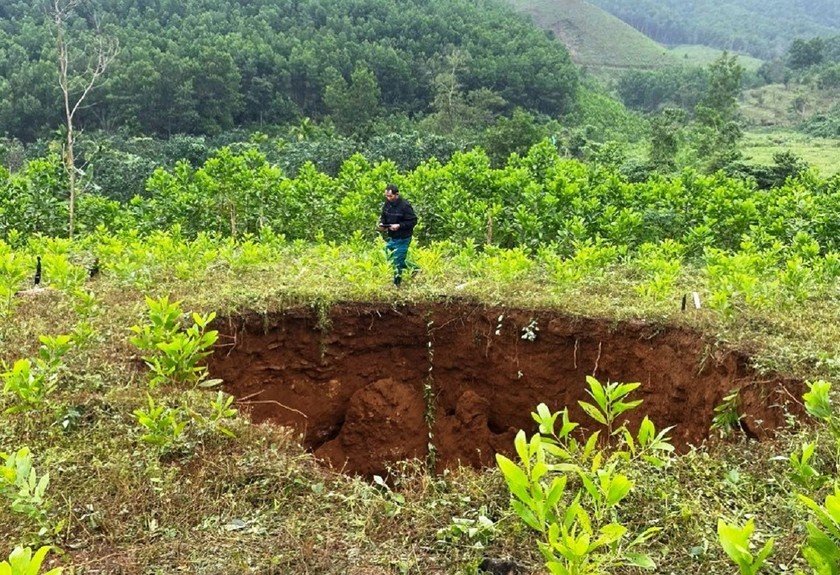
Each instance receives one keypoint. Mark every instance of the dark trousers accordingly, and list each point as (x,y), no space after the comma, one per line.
(397,250)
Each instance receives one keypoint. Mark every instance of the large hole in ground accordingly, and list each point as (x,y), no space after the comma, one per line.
(365,385)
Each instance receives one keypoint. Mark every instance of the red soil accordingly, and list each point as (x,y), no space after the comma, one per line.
(364,385)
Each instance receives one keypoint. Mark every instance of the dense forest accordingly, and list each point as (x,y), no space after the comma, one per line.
(306,81)
(761,28)
(206,66)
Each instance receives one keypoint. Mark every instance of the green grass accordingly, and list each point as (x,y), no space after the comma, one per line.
(257,503)
(698,55)
(821,153)
(780,106)
(596,39)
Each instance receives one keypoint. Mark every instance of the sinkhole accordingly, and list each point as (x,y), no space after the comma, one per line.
(369,385)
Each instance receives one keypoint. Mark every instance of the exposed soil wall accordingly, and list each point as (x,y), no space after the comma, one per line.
(367,385)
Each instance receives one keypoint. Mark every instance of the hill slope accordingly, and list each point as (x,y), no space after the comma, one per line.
(762,28)
(273,62)
(593,36)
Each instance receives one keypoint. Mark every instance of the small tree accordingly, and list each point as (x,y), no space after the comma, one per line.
(79,70)
(717,115)
(354,106)
(665,130)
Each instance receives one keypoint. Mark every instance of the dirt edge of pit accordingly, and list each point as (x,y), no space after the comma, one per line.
(369,385)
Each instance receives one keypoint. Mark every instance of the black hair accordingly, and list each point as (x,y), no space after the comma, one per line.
(392,188)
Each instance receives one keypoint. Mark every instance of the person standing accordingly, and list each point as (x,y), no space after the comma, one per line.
(398,219)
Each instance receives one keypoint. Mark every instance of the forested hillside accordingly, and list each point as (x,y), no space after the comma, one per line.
(206,66)
(762,28)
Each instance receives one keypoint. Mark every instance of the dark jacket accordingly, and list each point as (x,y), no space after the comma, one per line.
(398,212)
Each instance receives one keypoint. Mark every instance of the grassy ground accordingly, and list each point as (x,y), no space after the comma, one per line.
(703,56)
(256,503)
(821,153)
(783,107)
(593,35)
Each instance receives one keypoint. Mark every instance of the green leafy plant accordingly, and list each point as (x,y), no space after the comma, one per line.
(802,472)
(583,535)
(609,402)
(818,404)
(32,382)
(649,445)
(164,425)
(735,541)
(20,484)
(822,547)
(574,547)
(87,307)
(476,532)
(23,562)
(176,355)
(818,400)
(220,412)
(28,384)
(163,322)
(534,501)
(61,274)
(13,272)
(726,416)
(605,487)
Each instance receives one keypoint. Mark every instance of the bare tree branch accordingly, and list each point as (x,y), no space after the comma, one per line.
(98,57)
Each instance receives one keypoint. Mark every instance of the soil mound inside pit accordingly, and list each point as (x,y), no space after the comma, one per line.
(368,386)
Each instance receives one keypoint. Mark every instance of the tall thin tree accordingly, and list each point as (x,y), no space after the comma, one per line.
(79,70)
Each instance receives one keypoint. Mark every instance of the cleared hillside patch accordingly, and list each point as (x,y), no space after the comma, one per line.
(823,154)
(595,38)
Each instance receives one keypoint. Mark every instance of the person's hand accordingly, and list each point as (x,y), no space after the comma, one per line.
(395,227)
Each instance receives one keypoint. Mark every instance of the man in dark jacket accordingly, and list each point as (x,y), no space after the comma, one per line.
(398,219)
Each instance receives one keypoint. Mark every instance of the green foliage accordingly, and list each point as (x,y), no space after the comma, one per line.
(726,414)
(805,53)
(608,401)
(764,29)
(32,382)
(163,323)
(671,87)
(13,272)
(354,105)
(164,426)
(221,412)
(662,265)
(717,114)
(735,541)
(802,473)
(268,65)
(514,135)
(175,354)
(22,562)
(582,534)
(19,483)
(822,547)
(477,532)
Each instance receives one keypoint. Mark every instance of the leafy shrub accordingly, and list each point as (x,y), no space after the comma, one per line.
(20,484)
(32,382)
(22,562)
(581,534)
(735,541)
(175,355)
